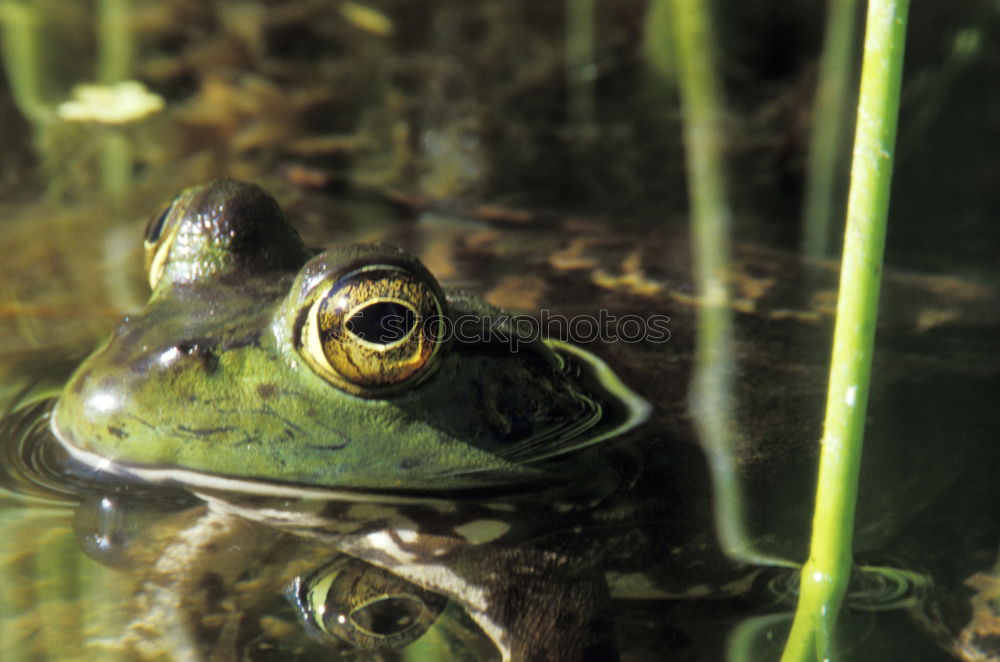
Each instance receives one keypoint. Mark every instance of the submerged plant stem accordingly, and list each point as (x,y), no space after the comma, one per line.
(825,574)
(711,388)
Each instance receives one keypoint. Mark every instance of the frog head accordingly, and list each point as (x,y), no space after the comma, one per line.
(257,365)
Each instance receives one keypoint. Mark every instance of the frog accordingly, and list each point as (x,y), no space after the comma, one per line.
(349,381)
(532,526)
(348,369)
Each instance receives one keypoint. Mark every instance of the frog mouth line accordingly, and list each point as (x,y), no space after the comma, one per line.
(204,483)
(198,480)
(635,411)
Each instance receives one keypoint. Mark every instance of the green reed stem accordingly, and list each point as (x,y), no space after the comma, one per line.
(114,58)
(825,574)
(658,41)
(704,140)
(580,59)
(829,129)
(711,388)
(114,64)
(22,49)
(704,135)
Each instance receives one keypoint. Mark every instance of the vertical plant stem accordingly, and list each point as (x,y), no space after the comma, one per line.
(825,574)
(115,56)
(22,58)
(829,128)
(711,387)
(116,164)
(658,43)
(113,66)
(580,59)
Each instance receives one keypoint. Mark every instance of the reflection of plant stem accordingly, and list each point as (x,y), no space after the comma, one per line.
(58,557)
(825,574)
(746,639)
(711,389)
(116,163)
(829,127)
(580,60)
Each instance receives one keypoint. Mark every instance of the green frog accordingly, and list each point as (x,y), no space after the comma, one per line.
(346,399)
(398,423)
(256,361)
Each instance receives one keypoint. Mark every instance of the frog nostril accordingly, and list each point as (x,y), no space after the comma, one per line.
(192,350)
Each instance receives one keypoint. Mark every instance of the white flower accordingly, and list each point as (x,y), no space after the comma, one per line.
(120,103)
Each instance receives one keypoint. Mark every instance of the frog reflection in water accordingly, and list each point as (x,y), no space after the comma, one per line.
(386,417)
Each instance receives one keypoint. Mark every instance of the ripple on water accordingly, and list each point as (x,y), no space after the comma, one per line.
(37,473)
(34,466)
(872,588)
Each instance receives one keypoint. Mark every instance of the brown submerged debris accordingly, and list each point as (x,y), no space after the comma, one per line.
(632,278)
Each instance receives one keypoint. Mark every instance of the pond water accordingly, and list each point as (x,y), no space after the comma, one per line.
(514,499)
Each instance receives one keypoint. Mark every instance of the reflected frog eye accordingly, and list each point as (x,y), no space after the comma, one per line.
(373,328)
(349,600)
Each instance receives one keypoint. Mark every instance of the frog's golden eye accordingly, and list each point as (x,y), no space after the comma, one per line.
(376,327)
(366,606)
(157,240)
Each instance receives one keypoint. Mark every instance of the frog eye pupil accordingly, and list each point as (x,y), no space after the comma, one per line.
(373,330)
(383,322)
(155,227)
(349,600)
(388,616)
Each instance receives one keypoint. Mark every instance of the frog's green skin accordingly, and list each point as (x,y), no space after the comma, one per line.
(217,377)
(218,339)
